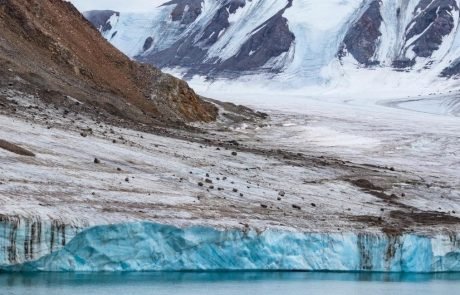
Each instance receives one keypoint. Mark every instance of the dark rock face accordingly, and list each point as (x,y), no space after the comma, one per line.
(233,5)
(148,43)
(403,63)
(191,50)
(361,40)
(452,71)
(218,24)
(260,48)
(186,11)
(184,52)
(269,40)
(431,25)
(432,21)
(100,19)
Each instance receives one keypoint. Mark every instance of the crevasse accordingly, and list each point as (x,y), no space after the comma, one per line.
(156,247)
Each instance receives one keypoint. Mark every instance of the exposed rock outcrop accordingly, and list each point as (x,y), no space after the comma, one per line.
(434,21)
(429,24)
(262,47)
(269,40)
(101,18)
(361,39)
(185,11)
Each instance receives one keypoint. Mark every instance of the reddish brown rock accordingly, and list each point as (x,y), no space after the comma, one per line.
(51,46)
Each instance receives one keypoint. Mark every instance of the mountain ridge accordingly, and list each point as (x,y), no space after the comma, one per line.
(300,37)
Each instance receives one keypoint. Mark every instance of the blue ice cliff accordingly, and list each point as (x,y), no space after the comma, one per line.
(27,239)
(156,247)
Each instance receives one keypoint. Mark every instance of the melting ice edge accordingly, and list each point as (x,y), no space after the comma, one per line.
(148,246)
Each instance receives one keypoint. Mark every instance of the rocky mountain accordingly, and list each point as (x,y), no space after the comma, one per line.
(294,38)
(403,35)
(48,49)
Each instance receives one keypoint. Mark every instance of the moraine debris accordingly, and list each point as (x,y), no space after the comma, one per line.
(297,207)
(11,147)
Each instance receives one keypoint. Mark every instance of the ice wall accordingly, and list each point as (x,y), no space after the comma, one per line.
(26,239)
(155,247)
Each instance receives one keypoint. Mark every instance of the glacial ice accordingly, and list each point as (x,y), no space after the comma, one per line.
(155,247)
(25,239)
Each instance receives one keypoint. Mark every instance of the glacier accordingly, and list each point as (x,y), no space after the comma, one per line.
(145,246)
(25,239)
(326,223)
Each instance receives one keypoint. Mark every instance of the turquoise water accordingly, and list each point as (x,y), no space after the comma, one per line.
(253,283)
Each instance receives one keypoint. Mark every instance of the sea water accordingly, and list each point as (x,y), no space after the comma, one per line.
(223,283)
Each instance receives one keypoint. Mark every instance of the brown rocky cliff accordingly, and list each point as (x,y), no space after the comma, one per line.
(49,44)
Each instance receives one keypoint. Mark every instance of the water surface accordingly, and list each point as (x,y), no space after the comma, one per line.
(253,283)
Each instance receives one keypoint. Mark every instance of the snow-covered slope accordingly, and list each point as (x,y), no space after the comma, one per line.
(300,42)
(325,186)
